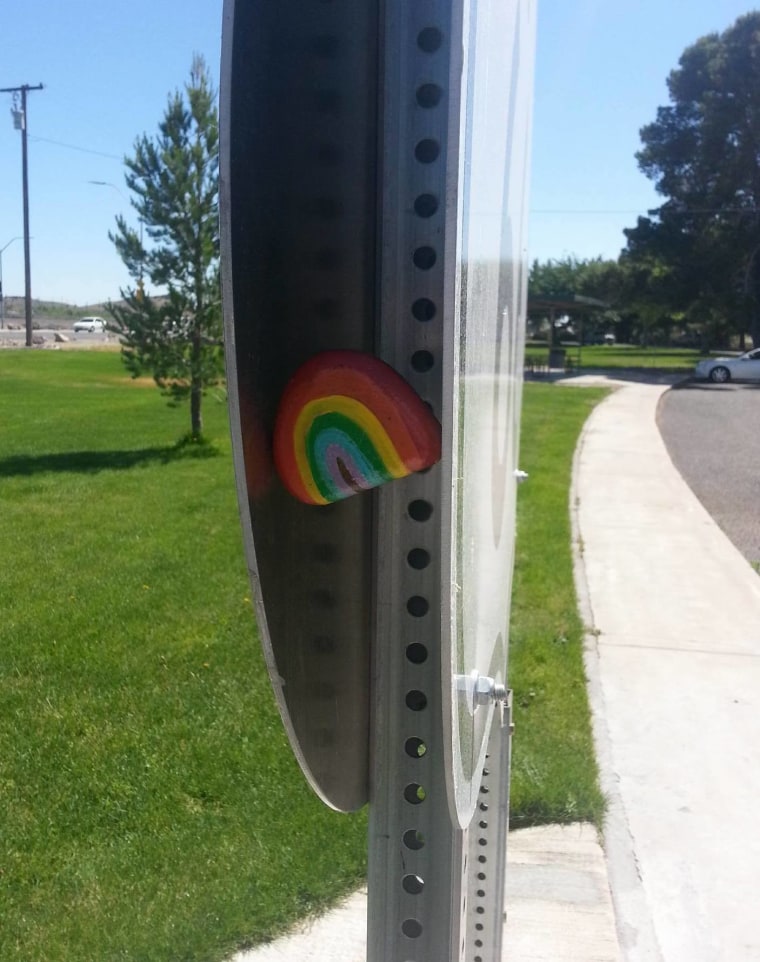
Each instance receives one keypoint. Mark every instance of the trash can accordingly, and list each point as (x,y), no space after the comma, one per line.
(557,357)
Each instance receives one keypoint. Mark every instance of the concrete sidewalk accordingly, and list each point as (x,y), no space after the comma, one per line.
(557,898)
(673,660)
(674,674)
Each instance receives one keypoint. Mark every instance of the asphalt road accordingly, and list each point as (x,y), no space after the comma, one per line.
(16,337)
(711,433)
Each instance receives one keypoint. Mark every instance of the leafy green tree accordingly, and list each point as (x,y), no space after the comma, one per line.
(174,178)
(563,278)
(702,152)
(556,277)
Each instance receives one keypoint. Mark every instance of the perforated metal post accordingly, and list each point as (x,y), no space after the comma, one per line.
(417,856)
(486,913)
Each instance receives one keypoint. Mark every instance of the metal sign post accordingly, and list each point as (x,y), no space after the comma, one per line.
(374,182)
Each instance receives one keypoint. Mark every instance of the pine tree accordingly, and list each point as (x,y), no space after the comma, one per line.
(174,179)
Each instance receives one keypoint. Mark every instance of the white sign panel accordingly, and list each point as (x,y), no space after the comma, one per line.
(486,360)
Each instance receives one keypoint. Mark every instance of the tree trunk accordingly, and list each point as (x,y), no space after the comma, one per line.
(196,387)
(196,421)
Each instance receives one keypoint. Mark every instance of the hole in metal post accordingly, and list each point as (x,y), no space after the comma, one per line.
(413,884)
(423,309)
(417,606)
(414,840)
(427,151)
(416,653)
(416,700)
(429,95)
(422,361)
(418,559)
(411,928)
(415,794)
(424,258)
(420,510)
(415,747)
(430,39)
(425,205)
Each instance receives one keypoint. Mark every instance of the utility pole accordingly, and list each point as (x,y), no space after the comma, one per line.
(19,122)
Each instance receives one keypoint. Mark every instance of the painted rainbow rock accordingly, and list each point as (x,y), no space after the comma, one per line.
(348,422)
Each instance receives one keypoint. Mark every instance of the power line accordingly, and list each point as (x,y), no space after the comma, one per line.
(84,150)
(569,210)
(654,211)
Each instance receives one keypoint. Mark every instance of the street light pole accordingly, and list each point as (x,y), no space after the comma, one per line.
(2,293)
(107,183)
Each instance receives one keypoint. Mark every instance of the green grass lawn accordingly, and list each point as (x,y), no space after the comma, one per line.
(630,355)
(151,808)
(673,359)
(554,774)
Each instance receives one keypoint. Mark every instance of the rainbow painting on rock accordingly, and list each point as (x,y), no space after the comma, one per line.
(348,422)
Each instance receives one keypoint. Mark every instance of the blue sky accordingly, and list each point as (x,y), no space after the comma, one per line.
(108,68)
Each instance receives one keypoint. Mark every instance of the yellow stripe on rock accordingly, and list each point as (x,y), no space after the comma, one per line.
(358,413)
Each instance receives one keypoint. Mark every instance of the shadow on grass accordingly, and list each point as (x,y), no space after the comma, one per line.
(92,461)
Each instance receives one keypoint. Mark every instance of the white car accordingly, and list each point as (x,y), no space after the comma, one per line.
(745,367)
(91,324)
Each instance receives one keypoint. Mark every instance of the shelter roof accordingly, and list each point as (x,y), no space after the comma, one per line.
(566,303)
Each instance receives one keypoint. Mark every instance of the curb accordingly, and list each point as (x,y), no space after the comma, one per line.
(632,916)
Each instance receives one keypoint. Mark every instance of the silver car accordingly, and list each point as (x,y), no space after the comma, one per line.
(745,367)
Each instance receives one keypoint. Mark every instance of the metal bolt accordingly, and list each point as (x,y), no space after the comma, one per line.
(482,690)
(487,690)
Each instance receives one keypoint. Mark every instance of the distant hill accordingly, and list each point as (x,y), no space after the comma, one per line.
(57,314)
(49,313)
